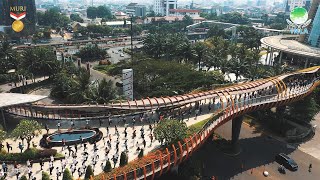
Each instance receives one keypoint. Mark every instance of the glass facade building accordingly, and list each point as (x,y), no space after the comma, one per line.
(314,36)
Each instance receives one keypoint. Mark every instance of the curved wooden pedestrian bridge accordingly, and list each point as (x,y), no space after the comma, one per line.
(233,102)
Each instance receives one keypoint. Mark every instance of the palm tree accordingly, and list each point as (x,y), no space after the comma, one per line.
(217,51)
(80,90)
(103,92)
(7,57)
(238,63)
(153,45)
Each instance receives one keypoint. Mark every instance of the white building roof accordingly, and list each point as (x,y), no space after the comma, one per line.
(10,99)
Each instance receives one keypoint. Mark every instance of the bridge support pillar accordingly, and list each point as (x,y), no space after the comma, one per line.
(306,63)
(267,56)
(236,127)
(280,58)
(271,57)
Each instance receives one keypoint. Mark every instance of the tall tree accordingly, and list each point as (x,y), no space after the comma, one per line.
(53,18)
(76,17)
(92,53)
(216,31)
(199,50)
(104,92)
(217,52)
(250,37)
(8,57)
(3,135)
(27,129)
(39,61)
(187,20)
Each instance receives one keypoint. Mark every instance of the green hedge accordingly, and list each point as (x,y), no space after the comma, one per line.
(4,78)
(31,154)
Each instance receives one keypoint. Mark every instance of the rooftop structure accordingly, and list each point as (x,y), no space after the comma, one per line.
(289,44)
(134,9)
(163,6)
(10,99)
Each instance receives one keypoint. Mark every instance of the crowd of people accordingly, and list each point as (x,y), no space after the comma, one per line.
(129,134)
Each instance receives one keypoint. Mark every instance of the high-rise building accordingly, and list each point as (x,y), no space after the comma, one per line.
(314,36)
(18,6)
(135,9)
(163,6)
(291,4)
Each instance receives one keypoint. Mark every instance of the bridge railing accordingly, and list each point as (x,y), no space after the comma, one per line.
(190,144)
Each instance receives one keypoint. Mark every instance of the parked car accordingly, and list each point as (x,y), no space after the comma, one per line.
(121,55)
(287,162)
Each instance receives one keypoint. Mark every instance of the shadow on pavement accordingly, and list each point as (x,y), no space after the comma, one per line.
(256,152)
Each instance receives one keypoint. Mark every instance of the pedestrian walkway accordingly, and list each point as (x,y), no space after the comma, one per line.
(8,86)
(133,145)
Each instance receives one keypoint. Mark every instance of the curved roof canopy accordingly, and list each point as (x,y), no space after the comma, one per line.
(10,99)
(288,44)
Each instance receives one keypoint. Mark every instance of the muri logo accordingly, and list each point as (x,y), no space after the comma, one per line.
(299,21)
(18,13)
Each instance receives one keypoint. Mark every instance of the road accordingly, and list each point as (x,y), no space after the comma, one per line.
(257,155)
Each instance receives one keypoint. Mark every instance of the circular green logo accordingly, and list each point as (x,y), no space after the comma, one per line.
(299,15)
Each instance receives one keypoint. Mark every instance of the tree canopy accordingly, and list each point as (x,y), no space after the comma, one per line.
(53,18)
(76,17)
(170,131)
(27,129)
(250,37)
(216,31)
(3,135)
(99,12)
(234,17)
(155,78)
(92,53)
(78,88)
(39,61)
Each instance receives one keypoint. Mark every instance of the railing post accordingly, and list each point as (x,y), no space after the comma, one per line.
(135,174)
(144,173)
(169,160)
(152,170)
(191,140)
(187,148)
(175,154)
(161,163)
(124,175)
(181,152)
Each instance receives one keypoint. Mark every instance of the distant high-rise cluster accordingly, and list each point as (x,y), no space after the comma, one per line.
(135,9)
(163,6)
(314,36)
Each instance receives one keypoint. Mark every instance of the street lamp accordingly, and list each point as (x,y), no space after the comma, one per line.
(131,37)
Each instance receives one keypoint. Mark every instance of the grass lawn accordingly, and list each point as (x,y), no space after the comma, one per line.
(104,68)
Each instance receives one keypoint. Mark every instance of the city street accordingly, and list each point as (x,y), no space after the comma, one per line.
(258,153)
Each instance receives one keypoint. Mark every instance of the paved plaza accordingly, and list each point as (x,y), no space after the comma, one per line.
(132,144)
